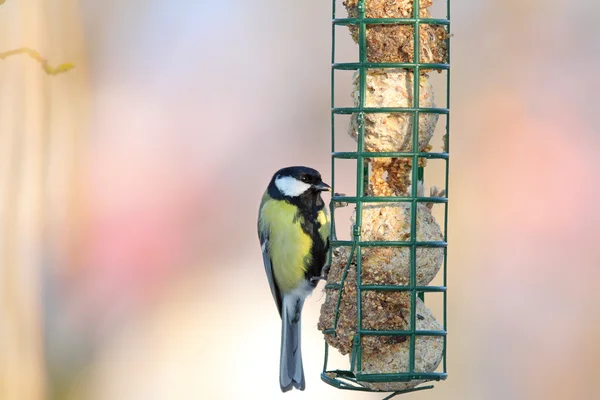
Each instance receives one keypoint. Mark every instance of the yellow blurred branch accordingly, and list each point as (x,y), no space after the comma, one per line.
(38,57)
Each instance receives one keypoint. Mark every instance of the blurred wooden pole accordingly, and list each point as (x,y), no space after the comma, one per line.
(38,155)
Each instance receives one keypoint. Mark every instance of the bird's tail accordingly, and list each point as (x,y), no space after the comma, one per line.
(291,373)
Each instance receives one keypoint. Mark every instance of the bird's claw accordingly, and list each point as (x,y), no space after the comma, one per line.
(323,276)
(325,271)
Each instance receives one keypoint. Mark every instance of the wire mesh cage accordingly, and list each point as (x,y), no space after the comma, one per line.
(375,293)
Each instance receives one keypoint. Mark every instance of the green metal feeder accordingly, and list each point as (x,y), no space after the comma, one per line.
(356,377)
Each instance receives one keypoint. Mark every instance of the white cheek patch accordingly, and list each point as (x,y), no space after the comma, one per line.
(291,186)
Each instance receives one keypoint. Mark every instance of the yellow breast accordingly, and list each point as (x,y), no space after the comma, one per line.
(289,246)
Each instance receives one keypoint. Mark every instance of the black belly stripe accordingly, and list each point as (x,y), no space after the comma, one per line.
(309,205)
(318,250)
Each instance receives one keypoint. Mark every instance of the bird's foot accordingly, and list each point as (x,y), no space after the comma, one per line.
(323,276)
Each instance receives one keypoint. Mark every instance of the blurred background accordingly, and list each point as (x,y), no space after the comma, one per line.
(129,188)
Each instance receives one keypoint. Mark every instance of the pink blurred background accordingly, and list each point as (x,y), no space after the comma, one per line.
(164,137)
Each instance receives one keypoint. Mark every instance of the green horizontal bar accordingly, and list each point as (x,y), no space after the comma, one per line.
(369,332)
(400,21)
(381,243)
(349,376)
(391,288)
(381,154)
(394,288)
(357,65)
(401,377)
(382,199)
(331,331)
(389,110)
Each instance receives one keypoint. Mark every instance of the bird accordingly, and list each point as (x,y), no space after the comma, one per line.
(293,229)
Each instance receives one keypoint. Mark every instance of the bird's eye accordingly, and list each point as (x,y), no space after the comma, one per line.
(304,178)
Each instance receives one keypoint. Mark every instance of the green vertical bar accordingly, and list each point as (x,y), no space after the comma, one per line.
(362,49)
(421,178)
(414,187)
(326,356)
(445,324)
(332,233)
(332,116)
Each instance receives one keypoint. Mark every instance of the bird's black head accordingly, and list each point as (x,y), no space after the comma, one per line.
(295,182)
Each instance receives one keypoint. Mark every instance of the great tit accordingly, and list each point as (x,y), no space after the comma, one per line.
(293,228)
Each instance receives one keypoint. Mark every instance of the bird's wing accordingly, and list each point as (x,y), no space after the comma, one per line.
(264,244)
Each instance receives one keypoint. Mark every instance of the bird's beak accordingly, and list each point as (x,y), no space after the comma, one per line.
(322,187)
